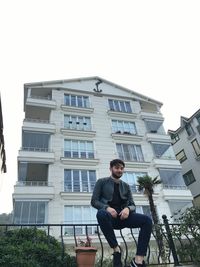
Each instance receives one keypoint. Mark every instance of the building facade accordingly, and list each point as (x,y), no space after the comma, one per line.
(71,131)
(186,144)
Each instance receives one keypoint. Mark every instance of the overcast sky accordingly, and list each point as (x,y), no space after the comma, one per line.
(151,47)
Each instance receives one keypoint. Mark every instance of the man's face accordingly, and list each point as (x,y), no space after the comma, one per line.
(117,171)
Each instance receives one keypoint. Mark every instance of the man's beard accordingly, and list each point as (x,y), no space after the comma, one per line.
(116,176)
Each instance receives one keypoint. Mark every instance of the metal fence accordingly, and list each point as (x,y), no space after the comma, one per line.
(164,247)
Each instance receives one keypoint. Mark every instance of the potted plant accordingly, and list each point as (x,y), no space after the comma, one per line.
(85,253)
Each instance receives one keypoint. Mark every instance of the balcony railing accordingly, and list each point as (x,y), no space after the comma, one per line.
(49,97)
(69,235)
(36,149)
(36,120)
(175,187)
(33,183)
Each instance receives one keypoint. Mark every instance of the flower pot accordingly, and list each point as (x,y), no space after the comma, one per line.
(85,256)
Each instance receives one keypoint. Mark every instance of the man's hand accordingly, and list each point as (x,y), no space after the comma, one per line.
(124,213)
(112,212)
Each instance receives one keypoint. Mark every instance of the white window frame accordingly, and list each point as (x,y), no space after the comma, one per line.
(78,218)
(76,146)
(134,152)
(81,185)
(120,105)
(85,103)
(75,122)
(123,127)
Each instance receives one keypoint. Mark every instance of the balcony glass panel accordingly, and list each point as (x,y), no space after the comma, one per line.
(33,141)
(171,178)
(153,126)
(30,211)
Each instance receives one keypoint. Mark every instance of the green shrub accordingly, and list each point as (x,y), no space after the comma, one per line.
(30,247)
(189,234)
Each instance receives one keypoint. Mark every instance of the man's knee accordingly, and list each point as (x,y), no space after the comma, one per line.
(102,214)
(149,221)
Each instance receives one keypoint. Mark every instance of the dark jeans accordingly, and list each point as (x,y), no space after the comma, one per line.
(135,220)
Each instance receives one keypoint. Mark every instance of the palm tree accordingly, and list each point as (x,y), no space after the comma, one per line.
(146,183)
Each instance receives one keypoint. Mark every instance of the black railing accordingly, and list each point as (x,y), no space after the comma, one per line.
(164,247)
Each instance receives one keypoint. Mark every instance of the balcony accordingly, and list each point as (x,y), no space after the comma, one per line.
(78,133)
(166,162)
(84,158)
(121,115)
(77,110)
(30,124)
(124,135)
(157,137)
(33,189)
(151,114)
(80,161)
(176,192)
(32,154)
(41,101)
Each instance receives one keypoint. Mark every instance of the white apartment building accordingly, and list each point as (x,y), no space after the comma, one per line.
(71,131)
(186,144)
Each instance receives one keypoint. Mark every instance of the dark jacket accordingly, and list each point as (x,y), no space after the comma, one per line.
(103,192)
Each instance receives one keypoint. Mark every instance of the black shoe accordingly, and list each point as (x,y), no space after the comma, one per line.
(117,259)
(134,264)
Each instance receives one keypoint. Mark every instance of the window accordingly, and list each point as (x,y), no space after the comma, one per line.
(189,129)
(153,126)
(30,212)
(120,106)
(79,215)
(76,101)
(124,127)
(130,152)
(77,123)
(78,149)
(144,210)
(196,147)
(171,179)
(33,173)
(189,177)
(131,179)
(34,141)
(198,118)
(79,180)
(175,138)
(181,156)
(160,150)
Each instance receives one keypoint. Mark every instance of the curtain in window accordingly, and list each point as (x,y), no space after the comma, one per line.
(123,127)
(78,149)
(29,212)
(35,141)
(77,123)
(130,152)
(22,173)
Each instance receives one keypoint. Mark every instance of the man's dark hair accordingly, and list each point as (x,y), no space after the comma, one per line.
(116,162)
